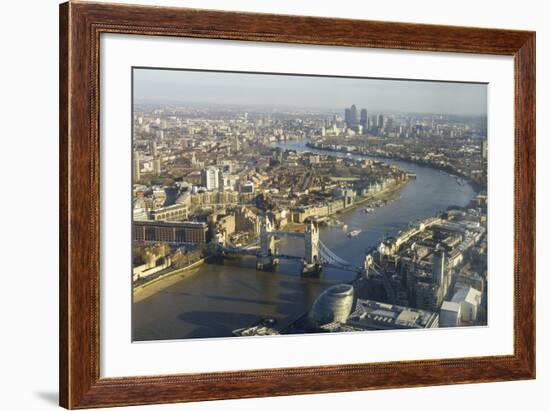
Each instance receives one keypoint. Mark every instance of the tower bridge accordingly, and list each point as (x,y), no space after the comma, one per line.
(316,254)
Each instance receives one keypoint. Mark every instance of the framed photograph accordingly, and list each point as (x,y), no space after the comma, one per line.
(259,205)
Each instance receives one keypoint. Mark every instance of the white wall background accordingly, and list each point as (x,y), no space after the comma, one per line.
(28,165)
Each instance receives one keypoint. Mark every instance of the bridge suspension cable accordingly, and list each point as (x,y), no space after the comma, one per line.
(328,256)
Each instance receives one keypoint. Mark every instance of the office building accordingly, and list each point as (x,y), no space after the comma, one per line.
(449,315)
(364,120)
(170,213)
(470,300)
(374,315)
(210,178)
(351,117)
(170,231)
(156,166)
(380,122)
(333,305)
(136,167)
(347,116)
(354,116)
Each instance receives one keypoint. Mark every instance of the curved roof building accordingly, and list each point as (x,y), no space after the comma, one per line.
(333,305)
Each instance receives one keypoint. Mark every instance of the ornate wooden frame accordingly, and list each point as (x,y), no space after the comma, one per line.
(80,27)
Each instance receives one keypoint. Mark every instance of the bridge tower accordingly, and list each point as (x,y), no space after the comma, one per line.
(312,262)
(266,260)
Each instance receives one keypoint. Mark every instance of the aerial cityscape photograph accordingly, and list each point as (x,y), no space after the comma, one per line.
(269,204)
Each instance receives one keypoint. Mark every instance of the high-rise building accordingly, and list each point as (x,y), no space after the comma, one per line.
(136,167)
(153,148)
(156,165)
(351,117)
(380,121)
(363,117)
(236,145)
(222,181)
(438,267)
(388,127)
(210,178)
(347,117)
(364,120)
(354,116)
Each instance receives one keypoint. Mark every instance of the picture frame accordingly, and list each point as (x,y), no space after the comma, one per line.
(81,25)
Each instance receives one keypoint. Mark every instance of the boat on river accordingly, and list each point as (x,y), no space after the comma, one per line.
(262,327)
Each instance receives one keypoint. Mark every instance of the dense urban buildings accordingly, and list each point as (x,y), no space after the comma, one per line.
(218,183)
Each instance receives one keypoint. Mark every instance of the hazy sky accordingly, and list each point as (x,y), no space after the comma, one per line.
(306,91)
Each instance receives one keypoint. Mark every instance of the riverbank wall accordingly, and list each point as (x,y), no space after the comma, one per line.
(137,289)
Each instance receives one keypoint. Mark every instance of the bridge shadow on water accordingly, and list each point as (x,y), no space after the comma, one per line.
(239,299)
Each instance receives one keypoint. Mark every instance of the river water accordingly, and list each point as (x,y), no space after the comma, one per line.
(215,299)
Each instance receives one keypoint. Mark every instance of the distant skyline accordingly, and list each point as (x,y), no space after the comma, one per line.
(315,92)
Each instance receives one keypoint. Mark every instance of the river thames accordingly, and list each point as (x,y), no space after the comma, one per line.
(215,299)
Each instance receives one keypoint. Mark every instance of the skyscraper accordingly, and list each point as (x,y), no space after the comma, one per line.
(347,116)
(388,127)
(354,116)
(156,166)
(380,121)
(351,117)
(136,167)
(210,178)
(364,120)
(221,180)
(363,116)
